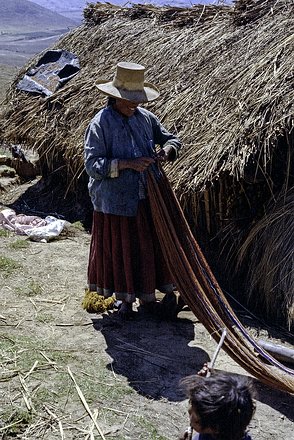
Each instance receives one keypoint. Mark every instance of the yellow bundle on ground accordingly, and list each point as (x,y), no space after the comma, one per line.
(95,303)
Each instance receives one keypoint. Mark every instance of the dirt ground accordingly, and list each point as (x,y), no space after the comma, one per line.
(67,374)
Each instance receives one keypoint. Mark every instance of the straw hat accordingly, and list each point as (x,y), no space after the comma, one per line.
(128,83)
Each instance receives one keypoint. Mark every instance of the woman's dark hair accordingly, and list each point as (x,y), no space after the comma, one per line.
(110,101)
(223,403)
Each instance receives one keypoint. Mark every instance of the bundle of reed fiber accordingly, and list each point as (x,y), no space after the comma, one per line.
(93,14)
(96,13)
(267,253)
(95,303)
(248,11)
(200,290)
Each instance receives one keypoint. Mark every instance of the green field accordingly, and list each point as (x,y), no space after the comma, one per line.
(7,74)
(26,29)
(17,48)
(22,14)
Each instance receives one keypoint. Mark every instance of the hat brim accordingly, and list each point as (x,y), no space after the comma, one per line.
(149,92)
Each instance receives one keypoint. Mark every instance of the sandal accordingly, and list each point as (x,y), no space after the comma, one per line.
(169,307)
(150,308)
(126,312)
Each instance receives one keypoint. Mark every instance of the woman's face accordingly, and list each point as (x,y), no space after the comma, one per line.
(125,107)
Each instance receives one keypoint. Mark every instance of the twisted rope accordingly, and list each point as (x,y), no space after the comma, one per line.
(201,292)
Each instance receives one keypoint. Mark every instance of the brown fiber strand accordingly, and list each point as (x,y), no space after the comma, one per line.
(200,290)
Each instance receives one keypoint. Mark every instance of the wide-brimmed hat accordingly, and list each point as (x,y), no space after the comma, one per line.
(128,83)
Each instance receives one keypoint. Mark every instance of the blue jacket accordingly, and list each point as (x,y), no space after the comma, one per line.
(111,136)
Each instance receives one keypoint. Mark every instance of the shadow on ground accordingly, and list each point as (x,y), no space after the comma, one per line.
(278,400)
(153,355)
(48,196)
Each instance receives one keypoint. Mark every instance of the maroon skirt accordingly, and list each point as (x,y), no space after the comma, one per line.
(125,257)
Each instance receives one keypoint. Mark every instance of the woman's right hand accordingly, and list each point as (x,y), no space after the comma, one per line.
(138,164)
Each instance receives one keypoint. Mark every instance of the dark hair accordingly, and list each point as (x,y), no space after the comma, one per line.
(110,101)
(223,403)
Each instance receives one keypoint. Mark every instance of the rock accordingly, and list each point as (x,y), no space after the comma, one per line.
(7,182)
(4,160)
(7,171)
(25,170)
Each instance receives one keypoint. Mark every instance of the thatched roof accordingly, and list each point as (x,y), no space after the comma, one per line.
(225,73)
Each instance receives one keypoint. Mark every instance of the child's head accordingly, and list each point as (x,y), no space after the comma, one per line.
(221,405)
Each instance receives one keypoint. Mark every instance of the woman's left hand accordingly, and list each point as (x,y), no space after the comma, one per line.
(165,154)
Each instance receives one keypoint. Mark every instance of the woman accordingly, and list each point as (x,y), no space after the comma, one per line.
(120,146)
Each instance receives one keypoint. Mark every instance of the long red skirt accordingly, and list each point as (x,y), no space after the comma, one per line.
(125,257)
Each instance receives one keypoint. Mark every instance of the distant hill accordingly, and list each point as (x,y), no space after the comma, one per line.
(62,5)
(27,15)
(69,8)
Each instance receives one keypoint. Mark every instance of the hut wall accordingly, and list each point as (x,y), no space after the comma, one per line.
(245,227)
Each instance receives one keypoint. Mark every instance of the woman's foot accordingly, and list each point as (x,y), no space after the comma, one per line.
(169,306)
(125,311)
(150,308)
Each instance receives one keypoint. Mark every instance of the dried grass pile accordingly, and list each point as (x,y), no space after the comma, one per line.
(269,248)
(226,79)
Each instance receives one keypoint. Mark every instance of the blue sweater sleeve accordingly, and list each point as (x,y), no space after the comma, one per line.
(97,162)
(163,137)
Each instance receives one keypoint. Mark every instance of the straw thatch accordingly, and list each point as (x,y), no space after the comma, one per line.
(226,77)
(270,237)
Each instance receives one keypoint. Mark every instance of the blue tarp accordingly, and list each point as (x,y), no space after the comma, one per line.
(54,69)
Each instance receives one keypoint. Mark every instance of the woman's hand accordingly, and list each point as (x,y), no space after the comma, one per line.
(166,154)
(138,164)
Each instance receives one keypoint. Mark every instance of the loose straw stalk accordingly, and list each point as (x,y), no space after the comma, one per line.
(84,402)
